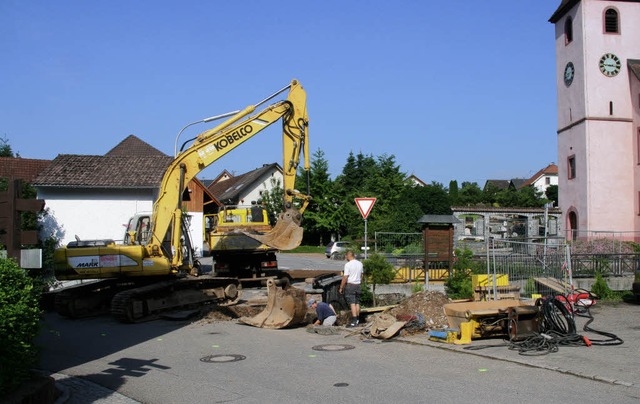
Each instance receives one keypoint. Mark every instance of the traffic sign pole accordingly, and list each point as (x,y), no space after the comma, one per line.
(365,239)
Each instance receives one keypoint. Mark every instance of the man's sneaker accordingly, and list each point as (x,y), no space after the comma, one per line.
(357,321)
(352,324)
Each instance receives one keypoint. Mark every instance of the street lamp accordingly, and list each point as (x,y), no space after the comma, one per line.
(205,120)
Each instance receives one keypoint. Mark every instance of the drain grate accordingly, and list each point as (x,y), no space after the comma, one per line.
(341,385)
(333,347)
(223,358)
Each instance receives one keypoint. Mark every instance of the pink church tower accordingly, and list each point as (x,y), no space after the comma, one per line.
(598,83)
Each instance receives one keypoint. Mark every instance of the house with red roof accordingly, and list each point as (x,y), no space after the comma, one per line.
(93,196)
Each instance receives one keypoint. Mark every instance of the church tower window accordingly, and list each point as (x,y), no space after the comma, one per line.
(568,31)
(611,23)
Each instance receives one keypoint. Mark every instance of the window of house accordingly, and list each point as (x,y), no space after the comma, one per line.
(611,23)
(547,180)
(571,167)
(568,31)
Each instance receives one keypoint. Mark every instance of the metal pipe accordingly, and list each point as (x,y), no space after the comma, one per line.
(205,120)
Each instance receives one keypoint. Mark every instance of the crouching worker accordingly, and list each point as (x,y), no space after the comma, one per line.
(325,312)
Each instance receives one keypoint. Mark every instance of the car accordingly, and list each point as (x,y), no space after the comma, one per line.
(335,247)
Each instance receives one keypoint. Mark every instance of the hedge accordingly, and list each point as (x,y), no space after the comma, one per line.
(19,325)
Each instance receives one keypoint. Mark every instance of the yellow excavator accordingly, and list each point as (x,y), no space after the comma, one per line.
(154,270)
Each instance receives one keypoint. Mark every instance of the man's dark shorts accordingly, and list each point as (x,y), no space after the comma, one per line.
(352,293)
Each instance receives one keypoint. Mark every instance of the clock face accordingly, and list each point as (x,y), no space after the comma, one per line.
(569,72)
(610,64)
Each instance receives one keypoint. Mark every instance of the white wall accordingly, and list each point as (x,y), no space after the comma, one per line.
(100,215)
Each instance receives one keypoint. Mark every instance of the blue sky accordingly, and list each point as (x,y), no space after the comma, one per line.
(457,90)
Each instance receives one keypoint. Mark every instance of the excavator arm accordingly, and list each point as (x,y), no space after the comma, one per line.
(212,144)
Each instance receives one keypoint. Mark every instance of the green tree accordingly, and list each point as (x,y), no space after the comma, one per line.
(470,194)
(453,192)
(273,200)
(366,176)
(5,148)
(320,217)
(530,197)
(378,271)
(413,203)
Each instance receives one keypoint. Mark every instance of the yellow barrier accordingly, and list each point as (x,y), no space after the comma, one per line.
(487,280)
(417,274)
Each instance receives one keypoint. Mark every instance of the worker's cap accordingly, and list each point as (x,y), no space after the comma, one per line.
(311,302)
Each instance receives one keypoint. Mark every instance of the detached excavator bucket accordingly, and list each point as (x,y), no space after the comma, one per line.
(285,235)
(285,307)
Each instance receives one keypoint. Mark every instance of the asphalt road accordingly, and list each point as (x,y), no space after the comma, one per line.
(169,362)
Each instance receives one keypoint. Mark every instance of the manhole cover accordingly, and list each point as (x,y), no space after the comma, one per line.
(333,347)
(223,358)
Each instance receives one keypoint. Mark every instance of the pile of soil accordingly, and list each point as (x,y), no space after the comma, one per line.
(426,303)
(213,313)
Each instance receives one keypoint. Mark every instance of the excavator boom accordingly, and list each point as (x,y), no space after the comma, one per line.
(212,144)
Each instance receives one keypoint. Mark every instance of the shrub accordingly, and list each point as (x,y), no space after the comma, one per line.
(378,271)
(366,297)
(417,287)
(459,285)
(600,287)
(19,317)
(530,287)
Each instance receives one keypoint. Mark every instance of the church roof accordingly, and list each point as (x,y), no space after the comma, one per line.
(564,8)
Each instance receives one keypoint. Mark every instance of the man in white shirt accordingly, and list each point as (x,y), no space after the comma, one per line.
(350,286)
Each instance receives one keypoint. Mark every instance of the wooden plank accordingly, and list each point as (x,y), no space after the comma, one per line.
(29,205)
(29,237)
(376,309)
(552,284)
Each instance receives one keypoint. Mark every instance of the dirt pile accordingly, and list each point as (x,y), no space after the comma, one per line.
(427,304)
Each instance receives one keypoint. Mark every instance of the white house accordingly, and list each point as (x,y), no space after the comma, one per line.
(93,197)
(543,179)
(248,187)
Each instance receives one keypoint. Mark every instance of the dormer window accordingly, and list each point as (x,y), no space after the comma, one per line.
(611,21)
(568,31)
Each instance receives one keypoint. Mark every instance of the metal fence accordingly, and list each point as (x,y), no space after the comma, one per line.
(543,268)
(516,267)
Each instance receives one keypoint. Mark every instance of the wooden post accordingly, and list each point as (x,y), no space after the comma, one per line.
(11,204)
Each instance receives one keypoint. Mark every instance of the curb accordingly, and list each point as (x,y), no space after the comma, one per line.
(553,368)
(78,389)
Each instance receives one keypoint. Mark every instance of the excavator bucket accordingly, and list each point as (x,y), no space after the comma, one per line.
(285,235)
(285,307)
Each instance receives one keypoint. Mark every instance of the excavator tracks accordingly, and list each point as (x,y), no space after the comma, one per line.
(148,302)
(86,300)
